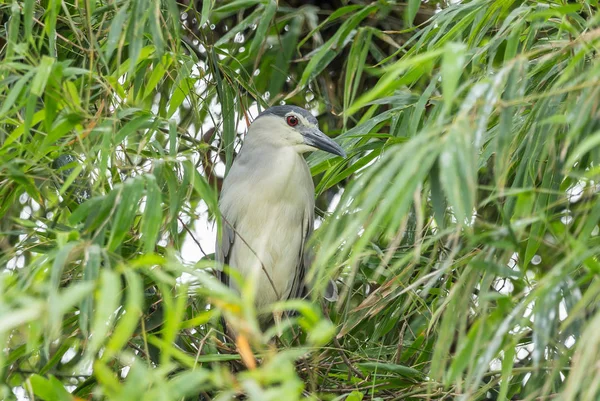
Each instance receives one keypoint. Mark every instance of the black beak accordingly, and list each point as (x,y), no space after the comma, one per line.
(315,138)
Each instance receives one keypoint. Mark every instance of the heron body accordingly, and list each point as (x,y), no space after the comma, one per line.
(270,205)
(267,204)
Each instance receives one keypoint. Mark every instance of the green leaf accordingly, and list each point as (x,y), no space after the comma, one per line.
(265,21)
(127,200)
(330,49)
(452,69)
(38,84)
(14,93)
(114,31)
(438,200)
(49,389)
(181,90)
(354,396)
(205,13)
(152,218)
(226,97)
(289,41)
(130,318)
(355,66)
(412,10)
(108,298)
(91,272)
(140,122)
(383,368)
(158,73)
(457,173)
(389,81)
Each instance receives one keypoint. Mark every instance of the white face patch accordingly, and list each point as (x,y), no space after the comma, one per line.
(303,121)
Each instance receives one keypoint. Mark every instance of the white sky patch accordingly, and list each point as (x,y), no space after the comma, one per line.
(67,356)
(335,201)
(504,286)
(20,393)
(512,262)
(575,192)
(562,310)
(205,232)
(495,364)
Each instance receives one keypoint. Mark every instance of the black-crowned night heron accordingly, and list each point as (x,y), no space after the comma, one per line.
(267,205)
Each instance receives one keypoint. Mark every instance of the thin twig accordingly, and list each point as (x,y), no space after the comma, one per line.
(346,360)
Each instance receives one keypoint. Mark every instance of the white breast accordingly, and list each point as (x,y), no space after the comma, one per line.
(268,204)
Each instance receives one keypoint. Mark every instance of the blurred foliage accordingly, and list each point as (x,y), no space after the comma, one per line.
(465,240)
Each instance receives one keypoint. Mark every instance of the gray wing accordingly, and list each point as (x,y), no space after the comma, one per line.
(223,250)
(306,258)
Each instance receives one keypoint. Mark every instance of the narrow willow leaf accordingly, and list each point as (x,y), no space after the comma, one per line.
(240,27)
(130,317)
(226,97)
(412,10)
(58,131)
(108,297)
(181,89)
(334,45)
(353,396)
(334,176)
(28,8)
(58,265)
(107,378)
(389,81)
(507,366)
(376,367)
(337,14)
(173,308)
(545,322)
(236,5)
(71,296)
(457,172)
(135,35)
(38,84)
(91,272)
(127,200)
(452,69)
(202,187)
(265,21)
(115,30)
(50,28)
(438,200)
(21,129)
(152,218)
(207,5)
(155,23)
(537,228)
(355,66)
(419,109)
(289,41)
(187,383)
(13,30)
(478,334)
(14,93)
(377,201)
(143,121)
(158,73)
(49,389)
(20,316)
(585,146)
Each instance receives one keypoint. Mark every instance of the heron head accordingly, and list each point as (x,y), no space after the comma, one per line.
(293,126)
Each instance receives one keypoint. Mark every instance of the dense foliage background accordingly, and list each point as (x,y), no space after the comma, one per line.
(462,227)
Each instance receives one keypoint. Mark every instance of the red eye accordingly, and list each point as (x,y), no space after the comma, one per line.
(292,121)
